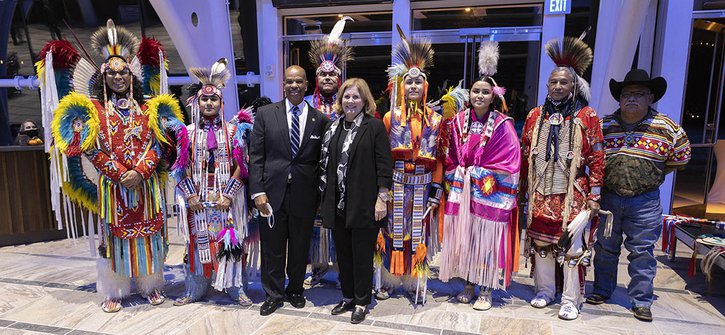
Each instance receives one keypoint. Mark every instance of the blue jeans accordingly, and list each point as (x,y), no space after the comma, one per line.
(639,218)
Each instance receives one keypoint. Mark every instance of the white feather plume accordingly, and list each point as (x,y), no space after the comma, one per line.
(396,70)
(488,58)
(338,28)
(218,67)
(112,36)
(583,87)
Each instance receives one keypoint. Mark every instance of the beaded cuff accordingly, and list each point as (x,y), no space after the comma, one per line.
(233,186)
(435,193)
(186,185)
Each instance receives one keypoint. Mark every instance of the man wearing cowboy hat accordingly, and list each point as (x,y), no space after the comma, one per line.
(641,146)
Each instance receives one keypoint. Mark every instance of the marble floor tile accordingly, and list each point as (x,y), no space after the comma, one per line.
(695,308)
(687,328)
(291,325)
(11,331)
(467,322)
(348,328)
(63,308)
(15,296)
(225,321)
(564,327)
(511,326)
(619,320)
(498,309)
(667,306)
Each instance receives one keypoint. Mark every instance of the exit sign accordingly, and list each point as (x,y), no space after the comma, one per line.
(557,7)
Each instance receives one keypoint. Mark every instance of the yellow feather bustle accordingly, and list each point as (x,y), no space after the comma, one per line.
(153,113)
(70,100)
(80,198)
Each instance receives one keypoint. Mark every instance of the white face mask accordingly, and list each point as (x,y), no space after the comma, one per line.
(270,216)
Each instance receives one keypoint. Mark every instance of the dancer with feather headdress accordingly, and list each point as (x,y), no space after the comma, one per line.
(561,140)
(330,55)
(213,192)
(104,119)
(417,141)
(482,174)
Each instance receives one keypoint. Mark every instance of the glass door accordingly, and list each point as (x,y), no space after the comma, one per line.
(456,59)
(696,191)
(456,50)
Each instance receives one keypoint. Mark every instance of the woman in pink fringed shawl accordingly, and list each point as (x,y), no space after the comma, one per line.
(482,175)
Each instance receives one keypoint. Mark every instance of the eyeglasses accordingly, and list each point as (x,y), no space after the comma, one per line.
(636,95)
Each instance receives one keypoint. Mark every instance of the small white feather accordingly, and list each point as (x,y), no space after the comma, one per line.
(135,67)
(583,87)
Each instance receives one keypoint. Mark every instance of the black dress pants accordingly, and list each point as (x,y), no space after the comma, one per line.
(289,232)
(355,249)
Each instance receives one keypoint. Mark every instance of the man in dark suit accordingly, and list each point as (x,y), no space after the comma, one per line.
(284,173)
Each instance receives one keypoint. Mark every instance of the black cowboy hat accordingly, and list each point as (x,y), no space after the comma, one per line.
(657,86)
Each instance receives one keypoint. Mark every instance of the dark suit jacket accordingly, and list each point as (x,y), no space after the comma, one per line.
(370,166)
(270,160)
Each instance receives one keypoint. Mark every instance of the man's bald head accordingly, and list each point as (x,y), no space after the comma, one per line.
(295,84)
(295,69)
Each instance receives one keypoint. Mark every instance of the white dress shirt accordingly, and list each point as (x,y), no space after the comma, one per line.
(303,116)
(303,121)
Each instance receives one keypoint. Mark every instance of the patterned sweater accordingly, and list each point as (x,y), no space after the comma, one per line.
(638,158)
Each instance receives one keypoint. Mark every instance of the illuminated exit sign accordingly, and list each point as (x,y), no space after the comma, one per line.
(557,7)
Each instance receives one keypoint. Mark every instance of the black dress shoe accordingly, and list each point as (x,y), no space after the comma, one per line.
(270,306)
(297,300)
(358,315)
(596,299)
(642,313)
(343,307)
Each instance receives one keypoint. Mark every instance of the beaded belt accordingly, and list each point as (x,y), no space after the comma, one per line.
(419,180)
(409,178)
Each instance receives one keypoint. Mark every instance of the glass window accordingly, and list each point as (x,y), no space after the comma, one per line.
(322,24)
(708,5)
(702,120)
(475,17)
(583,17)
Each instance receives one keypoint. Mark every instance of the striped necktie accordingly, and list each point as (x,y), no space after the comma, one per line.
(294,132)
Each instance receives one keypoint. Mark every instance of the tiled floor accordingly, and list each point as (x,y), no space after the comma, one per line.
(50,288)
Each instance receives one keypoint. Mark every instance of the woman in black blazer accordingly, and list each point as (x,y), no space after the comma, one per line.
(357,171)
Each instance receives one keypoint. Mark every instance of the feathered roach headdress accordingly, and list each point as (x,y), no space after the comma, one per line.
(212,82)
(575,55)
(412,56)
(213,79)
(488,55)
(330,53)
(116,44)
